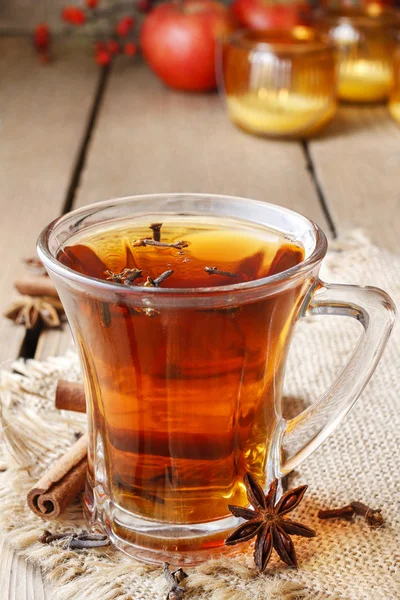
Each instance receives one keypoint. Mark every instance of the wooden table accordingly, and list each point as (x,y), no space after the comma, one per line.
(72,135)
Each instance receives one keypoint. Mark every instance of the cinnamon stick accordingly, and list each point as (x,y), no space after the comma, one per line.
(70,396)
(62,482)
(36,286)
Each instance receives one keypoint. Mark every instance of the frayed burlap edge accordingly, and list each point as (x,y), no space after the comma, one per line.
(34,434)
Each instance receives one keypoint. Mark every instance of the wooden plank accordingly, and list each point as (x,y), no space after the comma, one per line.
(44,110)
(357,162)
(23,15)
(19,579)
(54,342)
(150,139)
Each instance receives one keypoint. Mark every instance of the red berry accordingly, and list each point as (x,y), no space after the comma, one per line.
(130,49)
(113,46)
(124,26)
(92,3)
(73,15)
(41,36)
(103,58)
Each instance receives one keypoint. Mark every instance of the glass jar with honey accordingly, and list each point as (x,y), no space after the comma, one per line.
(365,39)
(279,83)
(394,99)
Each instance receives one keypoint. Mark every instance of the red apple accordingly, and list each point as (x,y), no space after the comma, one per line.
(270,14)
(178,41)
(350,4)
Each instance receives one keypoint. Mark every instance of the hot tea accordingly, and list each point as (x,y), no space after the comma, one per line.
(183,400)
(182,308)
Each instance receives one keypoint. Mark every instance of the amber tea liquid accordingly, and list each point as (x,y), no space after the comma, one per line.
(183,400)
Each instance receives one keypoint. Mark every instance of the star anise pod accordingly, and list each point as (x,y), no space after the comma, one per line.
(267,522)
(28,310)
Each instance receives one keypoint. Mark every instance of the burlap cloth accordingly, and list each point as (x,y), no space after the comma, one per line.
(358,462)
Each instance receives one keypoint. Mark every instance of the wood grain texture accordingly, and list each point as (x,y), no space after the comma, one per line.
(357,163)
(43,113)
(19,580)
(23,15)
(150,139)
(54,342)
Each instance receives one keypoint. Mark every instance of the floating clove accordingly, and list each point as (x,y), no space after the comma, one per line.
(156,229)
(158,280)
(216,271)
(150,282)
(149,242)
(126,276)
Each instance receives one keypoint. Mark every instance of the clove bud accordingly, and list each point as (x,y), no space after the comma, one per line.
(174,578)
(373,517)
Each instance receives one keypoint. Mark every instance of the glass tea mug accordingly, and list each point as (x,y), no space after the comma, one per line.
(128,336)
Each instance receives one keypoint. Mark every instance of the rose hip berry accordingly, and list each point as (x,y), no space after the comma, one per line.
(73,15)
(124,26)
(103,58)
(41,36)
(130,49)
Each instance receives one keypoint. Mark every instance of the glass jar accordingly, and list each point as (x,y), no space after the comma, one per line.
(278,83)
(394,99)
(365,38)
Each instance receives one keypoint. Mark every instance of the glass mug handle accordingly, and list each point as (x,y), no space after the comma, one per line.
(374,309)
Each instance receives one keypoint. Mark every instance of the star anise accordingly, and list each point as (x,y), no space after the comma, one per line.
(267,522)
(28,310)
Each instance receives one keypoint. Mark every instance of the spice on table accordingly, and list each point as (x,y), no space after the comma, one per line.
(76,541)
(267,521)
(28,311)
(39,285)
(216,271)
(373,517)
(174,578)
(61,483)
(70,396)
